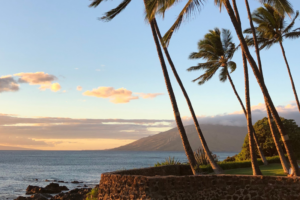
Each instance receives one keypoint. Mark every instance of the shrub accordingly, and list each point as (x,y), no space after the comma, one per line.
(93,194)
(265,139)
(201,157)
(168,161)
(238,164)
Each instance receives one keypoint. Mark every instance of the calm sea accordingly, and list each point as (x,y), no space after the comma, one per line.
(18,169)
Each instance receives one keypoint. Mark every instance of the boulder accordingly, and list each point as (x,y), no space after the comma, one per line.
(76,194)
(52,188)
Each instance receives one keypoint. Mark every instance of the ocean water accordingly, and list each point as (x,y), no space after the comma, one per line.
(18,169)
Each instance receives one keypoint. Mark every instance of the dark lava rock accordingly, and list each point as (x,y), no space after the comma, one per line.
(52,188)
(76,194)
(35,197)
(76,182)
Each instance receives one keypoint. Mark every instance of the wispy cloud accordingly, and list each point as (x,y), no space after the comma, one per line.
(148,95)
(116,96)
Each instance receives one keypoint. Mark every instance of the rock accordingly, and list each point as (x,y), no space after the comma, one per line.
(76,182)
(52,188)
(61,181)
(35,197)
(76,194)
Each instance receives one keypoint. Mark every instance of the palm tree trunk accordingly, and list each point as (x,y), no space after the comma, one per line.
(270,118)
(290,74)
(254,163)
(187,147)
(269,102)
(217,169)
(261,153)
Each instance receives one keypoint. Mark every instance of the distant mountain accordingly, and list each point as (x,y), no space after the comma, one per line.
(219,139)
(13,148)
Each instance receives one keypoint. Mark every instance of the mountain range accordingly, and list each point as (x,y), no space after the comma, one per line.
(218,137)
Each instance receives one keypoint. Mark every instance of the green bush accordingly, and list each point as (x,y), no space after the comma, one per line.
(238,164)
(93,194)
(265,139)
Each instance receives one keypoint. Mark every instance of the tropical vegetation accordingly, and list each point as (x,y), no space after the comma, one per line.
(218,54)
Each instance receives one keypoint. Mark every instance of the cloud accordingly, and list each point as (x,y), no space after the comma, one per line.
(48,132)
(39,78)
(55,87)
(79,88)
(116,96)
(148,95)
(237,118)
(8,84)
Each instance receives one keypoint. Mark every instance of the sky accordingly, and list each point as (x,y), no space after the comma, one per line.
(69,81)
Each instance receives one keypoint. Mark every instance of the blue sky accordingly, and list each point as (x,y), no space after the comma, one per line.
(65,39)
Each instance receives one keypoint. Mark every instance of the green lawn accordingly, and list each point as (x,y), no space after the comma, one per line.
(269,170)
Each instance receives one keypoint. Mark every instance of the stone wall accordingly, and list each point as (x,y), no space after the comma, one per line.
(160,184)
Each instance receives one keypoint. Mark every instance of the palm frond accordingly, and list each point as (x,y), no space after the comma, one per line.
(282,6)
(96,3)
(232,66)
(202,66)
(290,26)
(209,73)
(114,12)
(191,7)
(292,35)
(223,74)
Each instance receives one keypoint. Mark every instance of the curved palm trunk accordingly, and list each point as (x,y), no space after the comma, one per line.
(187,147)
(290,74)
(217,169)
(269,102)
(270,118)
(261,153)
(254,163)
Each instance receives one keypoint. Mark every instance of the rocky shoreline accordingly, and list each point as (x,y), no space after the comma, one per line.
(44,193)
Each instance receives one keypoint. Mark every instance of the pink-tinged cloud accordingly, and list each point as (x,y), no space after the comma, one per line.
(116,96)
(8,84)
(39,78)
(148,95)
(79,88)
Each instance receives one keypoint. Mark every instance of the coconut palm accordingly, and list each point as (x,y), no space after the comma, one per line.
(217,169)
(218,49)
(283,160)
(188,150)
(273,29)
(191,7)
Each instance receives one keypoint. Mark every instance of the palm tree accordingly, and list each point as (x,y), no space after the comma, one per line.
(217,169)
(283,160)
(218,49)
(272,29)
(161,6)
(187,147)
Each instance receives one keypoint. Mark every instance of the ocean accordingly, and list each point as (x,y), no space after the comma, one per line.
(18,169)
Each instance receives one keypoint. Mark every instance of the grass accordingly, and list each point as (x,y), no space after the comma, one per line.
(269,170)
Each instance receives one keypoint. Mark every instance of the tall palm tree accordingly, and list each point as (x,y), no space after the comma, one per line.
(259,77)
(193,5)
(283,160)
(273,29)
(187,147)
(217,169)
(218,49)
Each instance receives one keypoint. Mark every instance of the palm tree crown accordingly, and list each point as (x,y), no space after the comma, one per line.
(217,49)
(272,27)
